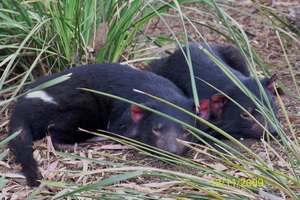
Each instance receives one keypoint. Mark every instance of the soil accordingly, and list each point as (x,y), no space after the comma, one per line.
(265,43)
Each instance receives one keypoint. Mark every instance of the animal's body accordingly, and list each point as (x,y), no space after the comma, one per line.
(227,115)
(61,109)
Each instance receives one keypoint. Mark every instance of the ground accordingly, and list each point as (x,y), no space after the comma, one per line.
(264,41)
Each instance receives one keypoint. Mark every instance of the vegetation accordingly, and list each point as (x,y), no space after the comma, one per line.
(42,37)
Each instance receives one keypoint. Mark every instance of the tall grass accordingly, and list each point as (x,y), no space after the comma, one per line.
(42,37)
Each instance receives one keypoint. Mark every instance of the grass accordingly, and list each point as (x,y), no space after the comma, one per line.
(42,37)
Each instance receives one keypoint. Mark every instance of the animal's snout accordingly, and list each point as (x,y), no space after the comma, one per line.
(171,149)
(272,130)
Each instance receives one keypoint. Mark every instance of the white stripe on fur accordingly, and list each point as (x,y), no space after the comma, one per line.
(41,95)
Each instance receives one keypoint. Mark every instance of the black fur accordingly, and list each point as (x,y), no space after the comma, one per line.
(228,116)
(72,108)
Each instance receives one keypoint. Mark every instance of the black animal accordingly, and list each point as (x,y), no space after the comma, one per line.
(226,115)
(60,109)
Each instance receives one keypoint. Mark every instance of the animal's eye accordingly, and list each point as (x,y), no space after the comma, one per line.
(186,132)
(246,117)
(157,130)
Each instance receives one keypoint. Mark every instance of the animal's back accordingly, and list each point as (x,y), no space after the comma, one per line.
(175,68)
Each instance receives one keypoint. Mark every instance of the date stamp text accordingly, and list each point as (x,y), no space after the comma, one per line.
(237,182)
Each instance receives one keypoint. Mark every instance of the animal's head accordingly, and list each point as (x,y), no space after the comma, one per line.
(237,122)
(163,133)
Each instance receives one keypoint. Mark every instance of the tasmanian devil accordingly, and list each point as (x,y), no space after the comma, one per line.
(227,115)
(60,109)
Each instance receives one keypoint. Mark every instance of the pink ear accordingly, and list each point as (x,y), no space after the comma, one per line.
(204,109)
(137,113)
(270,82)
(218,102)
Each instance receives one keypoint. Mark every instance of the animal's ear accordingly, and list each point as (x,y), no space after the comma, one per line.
(218,103)
(204,109)
(268,82)
(138,113)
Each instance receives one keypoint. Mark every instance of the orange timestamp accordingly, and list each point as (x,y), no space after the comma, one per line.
(237,182)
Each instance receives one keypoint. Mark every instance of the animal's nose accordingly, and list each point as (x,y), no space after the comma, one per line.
(272,130)
(171,149)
